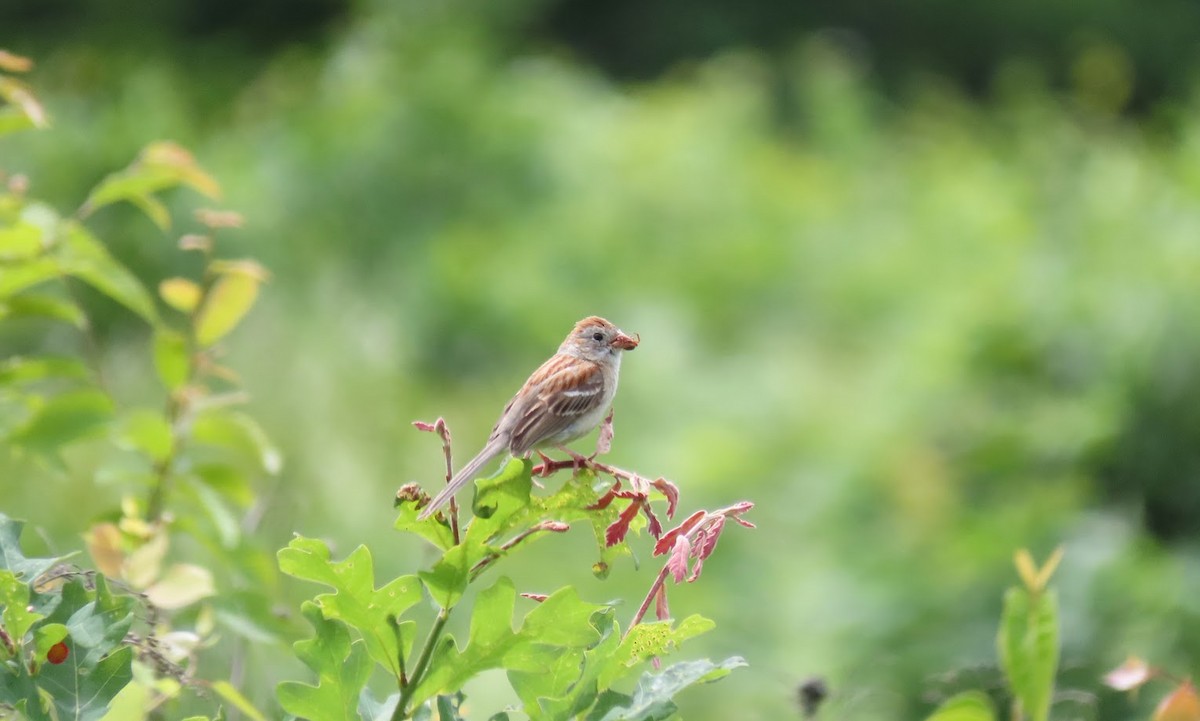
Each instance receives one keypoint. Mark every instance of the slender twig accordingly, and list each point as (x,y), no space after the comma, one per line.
(481,566)
(418,673)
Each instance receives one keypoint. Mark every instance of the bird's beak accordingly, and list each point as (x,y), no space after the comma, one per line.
(624,342)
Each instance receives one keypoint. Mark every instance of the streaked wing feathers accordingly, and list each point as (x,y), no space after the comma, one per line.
(560,391)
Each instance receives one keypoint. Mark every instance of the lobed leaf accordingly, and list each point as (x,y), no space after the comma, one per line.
(13,559)
(18,618)
(355,600)
(342,669)
(653,698)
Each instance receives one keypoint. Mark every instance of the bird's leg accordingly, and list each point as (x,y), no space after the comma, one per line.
(579,461)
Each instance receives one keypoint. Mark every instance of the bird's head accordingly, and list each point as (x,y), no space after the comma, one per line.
(594,338)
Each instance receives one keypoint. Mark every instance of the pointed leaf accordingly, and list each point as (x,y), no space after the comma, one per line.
(83,256)
(83,692)
(342,670)
(65,418)
(652,701)
(228,301)
(180,293)
(1028,648)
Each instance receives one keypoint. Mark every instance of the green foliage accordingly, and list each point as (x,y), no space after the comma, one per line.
(966,706)
(564,657)
(76,640)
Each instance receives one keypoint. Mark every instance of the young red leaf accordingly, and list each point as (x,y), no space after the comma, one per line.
(671,491)
(677,564)
(539,597)
(667,542)
(711,534)
(616,531)
(661,610)
(696,568)
(653,526)
(58,653)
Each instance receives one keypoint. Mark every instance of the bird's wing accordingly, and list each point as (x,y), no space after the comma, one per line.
(559,392)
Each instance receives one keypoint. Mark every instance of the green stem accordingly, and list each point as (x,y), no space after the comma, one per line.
(406,693)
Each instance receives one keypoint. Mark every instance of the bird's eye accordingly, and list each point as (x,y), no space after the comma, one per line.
(597,336)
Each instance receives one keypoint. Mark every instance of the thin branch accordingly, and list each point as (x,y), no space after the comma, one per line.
(481,566)
(418,673)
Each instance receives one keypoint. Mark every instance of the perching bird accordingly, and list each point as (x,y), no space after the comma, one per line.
(564,399)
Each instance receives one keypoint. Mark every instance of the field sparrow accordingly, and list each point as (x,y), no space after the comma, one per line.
(564,399)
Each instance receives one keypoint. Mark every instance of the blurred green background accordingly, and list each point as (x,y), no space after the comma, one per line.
(921,280)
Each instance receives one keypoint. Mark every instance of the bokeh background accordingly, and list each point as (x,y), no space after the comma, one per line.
(920,279)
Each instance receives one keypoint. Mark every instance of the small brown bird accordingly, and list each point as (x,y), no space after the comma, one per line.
(564,399)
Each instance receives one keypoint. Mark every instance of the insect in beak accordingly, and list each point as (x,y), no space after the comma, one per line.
(624,342)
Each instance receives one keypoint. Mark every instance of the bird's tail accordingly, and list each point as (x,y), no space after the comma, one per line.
(465,475)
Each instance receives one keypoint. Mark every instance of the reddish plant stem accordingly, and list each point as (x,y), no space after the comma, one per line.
(654,590)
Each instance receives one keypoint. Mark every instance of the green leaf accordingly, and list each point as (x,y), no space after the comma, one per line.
(342,670)
(160,166)
(67,417)
(14,602)
(228,301)
(648,640)
(490,638)
(82,256)
(31,305)
(653,698)
(21,371)
(966,706)
(1028,648)
(82,690)
(548,649)
(46,636)
(182,585)
(582,693)
(20,241)
(503,495)
(26,275)
(431,529)
(180,293)
(240,435)
(13,559)
(171,358)
(227,691)
(96,621)
(147,432)
(355,601)
(447,580)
